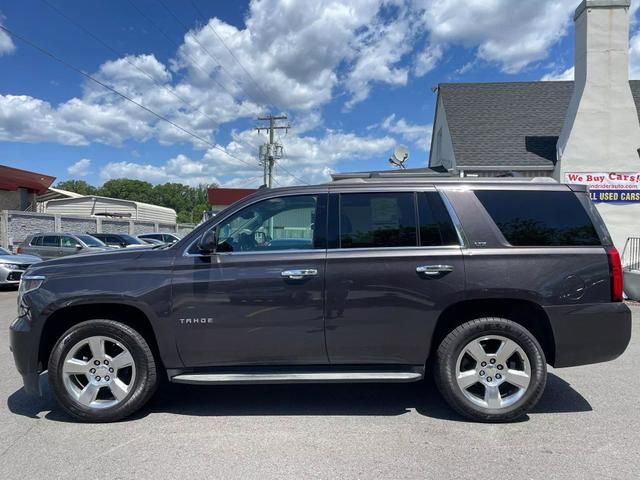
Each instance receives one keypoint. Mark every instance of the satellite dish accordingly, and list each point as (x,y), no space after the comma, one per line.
(399,156)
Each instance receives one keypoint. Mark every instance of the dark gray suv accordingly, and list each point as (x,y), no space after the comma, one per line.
(354,281)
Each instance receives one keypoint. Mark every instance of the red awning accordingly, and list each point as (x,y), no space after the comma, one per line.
(14,178)
(227,196)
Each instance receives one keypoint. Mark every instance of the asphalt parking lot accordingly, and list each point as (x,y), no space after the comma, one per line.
(587,425)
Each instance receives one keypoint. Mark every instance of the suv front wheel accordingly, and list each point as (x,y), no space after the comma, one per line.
(102,371)
(491,370)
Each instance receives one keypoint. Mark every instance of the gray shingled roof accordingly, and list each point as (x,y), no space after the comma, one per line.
(508,125)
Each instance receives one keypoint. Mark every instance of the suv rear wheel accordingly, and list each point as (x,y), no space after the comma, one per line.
(102,371)
(491,370)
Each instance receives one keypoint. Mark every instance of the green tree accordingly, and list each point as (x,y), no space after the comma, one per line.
(188,202)
(77,186)
(126,189)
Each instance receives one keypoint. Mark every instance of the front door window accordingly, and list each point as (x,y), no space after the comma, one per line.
(284,223)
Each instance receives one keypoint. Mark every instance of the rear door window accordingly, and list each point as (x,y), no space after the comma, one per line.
(51,241)
(436,227)
(36,241)
(377,220)
(539,218)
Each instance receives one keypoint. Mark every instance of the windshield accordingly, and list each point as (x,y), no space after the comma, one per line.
(4,252)
(131,240)
(90,241)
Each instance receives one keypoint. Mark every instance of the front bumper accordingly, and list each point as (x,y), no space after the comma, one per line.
(24,346)
(10,277)
(589,333)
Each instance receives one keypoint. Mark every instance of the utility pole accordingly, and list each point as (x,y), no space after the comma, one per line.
(270,152)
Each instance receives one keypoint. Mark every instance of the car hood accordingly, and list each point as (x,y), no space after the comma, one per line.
(20,258)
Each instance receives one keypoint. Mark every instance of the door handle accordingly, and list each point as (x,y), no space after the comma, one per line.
(299,274)
(434,270)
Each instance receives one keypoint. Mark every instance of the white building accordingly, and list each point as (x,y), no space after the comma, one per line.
(585,131)
(110,207)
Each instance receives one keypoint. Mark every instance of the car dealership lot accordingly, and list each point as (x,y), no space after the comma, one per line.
(587,425)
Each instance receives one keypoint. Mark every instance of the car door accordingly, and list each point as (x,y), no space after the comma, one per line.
(50,246)
(394,263)
(69,245)
(258,300)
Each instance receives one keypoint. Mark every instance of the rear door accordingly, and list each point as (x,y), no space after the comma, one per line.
(50,247)
(393,265)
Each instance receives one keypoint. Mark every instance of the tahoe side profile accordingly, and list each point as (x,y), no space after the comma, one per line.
(482,282)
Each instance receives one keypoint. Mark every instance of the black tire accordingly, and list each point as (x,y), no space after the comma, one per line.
(142,388)
(451,347)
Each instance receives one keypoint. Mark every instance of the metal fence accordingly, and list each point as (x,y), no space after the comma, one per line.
(15,226)
(631,254)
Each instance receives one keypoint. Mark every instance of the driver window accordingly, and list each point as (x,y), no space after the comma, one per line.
(283,223)
(68,242)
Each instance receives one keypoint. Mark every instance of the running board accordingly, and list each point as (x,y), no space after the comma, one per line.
(296,377)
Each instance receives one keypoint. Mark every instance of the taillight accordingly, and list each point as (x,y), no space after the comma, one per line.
(615,270)
(19,250)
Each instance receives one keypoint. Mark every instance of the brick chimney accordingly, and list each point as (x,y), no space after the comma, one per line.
(601,132)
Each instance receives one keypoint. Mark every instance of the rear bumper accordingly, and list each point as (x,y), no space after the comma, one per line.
(590,333)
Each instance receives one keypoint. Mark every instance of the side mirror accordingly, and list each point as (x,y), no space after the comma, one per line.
(208,242)
(78,246)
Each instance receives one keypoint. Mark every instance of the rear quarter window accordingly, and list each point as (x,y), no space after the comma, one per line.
(539,218)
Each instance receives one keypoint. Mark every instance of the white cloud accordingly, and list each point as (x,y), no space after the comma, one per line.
(559,75)
(80,168)
(380,49)
(301,55)
(419,135)
(427,59)
(510,34)
(6,43)
(292,49)
(308,158)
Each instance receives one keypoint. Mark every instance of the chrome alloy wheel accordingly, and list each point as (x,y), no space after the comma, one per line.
(98,372)
(493,372)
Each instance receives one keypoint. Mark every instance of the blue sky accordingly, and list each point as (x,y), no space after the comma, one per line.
(354,77)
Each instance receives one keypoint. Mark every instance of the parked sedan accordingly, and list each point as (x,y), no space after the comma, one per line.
(120,240)
(163,237)
(152,241)
(12,266)
(54,245)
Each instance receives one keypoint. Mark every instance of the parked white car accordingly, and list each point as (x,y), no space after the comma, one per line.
(12,266)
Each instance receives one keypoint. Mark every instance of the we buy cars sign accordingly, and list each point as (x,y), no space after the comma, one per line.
(610,187)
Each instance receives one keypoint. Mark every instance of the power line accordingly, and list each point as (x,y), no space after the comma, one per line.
(124,57)
(193,37)
(113,90)
(265,97)
(208,23)
(168,37)
(181,23)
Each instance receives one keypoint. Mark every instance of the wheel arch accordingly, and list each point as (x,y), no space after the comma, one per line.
(526,313)
(64,318)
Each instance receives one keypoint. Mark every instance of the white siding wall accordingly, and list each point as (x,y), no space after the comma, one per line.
(87,206)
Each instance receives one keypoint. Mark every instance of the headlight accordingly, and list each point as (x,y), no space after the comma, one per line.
(8,266)
(29,283)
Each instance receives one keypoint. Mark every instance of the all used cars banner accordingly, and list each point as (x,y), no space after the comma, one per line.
(610,187)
